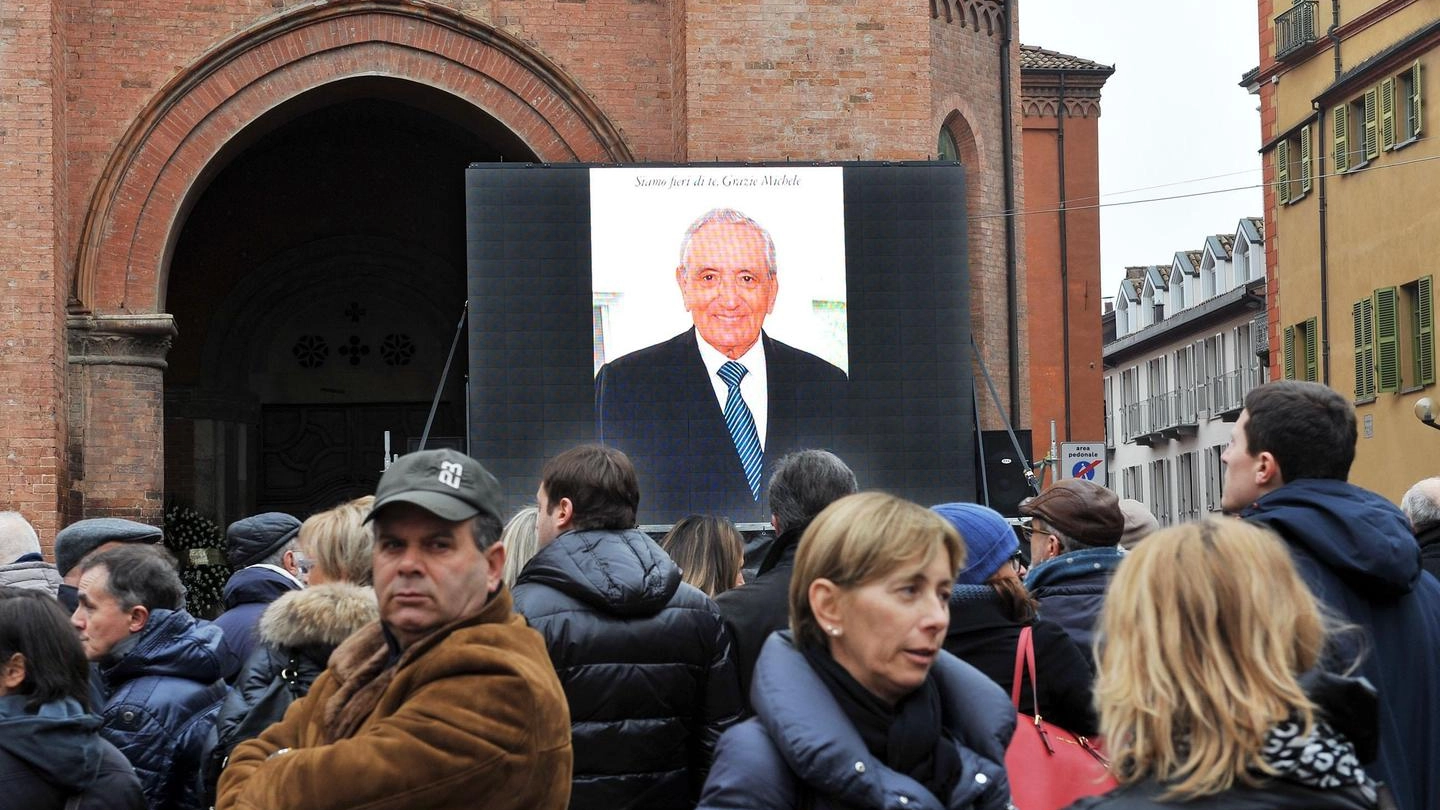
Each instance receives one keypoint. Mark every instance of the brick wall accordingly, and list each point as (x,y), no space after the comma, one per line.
(33,278)
(966,94)
(154,89)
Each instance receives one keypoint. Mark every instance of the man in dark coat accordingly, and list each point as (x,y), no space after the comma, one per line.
(160,669)
(802,485)
(1286,468)
(1422,506)
(644,658)
(1075,527)
(681,407)
(265,556)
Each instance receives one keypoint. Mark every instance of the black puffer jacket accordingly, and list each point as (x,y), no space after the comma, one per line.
(1429,540)
(163,689)
(54,754)
(297,633)
(645,662)
(984,636)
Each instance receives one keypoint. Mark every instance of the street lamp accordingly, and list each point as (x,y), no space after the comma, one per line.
(1425,412)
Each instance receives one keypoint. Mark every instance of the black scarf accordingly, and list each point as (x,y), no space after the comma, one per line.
(908,738)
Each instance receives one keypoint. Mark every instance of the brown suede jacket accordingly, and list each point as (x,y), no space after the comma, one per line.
(472,715)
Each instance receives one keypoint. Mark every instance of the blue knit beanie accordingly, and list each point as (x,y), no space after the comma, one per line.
(989,540)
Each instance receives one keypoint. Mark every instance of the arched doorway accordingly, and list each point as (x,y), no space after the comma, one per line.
(316,286)
(204,199)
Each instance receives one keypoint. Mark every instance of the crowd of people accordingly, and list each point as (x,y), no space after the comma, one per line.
(413,649)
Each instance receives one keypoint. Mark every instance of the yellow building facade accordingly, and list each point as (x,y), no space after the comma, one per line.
(1349,116)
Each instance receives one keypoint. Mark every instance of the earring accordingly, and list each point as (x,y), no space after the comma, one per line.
(834,631)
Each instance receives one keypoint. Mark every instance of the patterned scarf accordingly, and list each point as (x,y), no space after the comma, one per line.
(1323,759)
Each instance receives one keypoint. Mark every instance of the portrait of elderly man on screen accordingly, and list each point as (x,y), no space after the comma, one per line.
(700,414)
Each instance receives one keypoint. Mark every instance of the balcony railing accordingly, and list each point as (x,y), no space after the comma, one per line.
(1163,415)
(1227,392)
(1295,28)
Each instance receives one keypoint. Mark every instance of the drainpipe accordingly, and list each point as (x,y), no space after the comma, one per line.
(1007,150)
(1064,258)
(1333,33)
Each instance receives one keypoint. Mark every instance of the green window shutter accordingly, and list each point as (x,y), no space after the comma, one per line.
(1387,339)
(1289,367)
(1305,149)
(1311,355)
(1357,313)
(1387,113)
(1415,98)
(1424,331)
(1369,321)
(1340,125)
(1372,140)
(1282,171)
(1364,349)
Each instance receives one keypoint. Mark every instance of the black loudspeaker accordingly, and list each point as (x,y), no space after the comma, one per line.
(1003,470)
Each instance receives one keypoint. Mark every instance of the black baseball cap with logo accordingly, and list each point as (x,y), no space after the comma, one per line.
(444,482)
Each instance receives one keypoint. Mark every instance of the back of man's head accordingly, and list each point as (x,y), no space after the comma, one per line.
(1309,428)
(17,537)
(1422,504)
(804,483)
(600,482)
(139,575)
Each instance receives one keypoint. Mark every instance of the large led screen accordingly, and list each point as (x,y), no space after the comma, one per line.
(709,319)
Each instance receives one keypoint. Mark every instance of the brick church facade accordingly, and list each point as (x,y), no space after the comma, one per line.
(232,233)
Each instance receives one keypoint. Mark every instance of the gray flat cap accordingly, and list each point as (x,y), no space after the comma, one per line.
(73,542)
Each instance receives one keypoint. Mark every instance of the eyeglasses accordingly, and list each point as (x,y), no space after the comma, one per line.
(303,565)
(1017,561)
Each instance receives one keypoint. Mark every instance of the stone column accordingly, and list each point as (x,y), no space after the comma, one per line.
(117,457)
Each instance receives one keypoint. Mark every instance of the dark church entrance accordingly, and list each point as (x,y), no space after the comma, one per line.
(317,283)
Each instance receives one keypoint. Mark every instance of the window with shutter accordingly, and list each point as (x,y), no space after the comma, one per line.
(1415,97)
(1424,350)
(1282,170)
(1387,339)
(1305,160)
(1372,140)
(1387,114)
(1289,364)
(1312,356)
(1364,316)
(1340,125)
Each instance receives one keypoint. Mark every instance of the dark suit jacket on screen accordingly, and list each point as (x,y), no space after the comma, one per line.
(659,407)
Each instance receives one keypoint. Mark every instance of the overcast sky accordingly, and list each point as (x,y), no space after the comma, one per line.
(1173,113)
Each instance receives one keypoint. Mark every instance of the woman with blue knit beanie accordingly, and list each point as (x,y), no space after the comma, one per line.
(988,607)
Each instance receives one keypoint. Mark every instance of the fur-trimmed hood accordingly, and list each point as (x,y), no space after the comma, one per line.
(323,615)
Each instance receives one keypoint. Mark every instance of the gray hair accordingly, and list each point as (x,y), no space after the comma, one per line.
(804,483)
(726,216)
(277,557)
(1422,504)
(17,537)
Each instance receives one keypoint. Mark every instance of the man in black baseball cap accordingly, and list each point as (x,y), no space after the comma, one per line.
(423,708)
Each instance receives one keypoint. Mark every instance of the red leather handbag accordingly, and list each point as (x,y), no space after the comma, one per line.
(1048,766)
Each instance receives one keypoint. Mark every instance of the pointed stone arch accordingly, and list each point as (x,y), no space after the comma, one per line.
(162,161)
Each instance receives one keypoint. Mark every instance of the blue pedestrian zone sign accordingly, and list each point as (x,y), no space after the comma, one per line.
(1083,460)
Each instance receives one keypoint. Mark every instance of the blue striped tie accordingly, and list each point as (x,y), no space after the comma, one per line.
(742,425)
